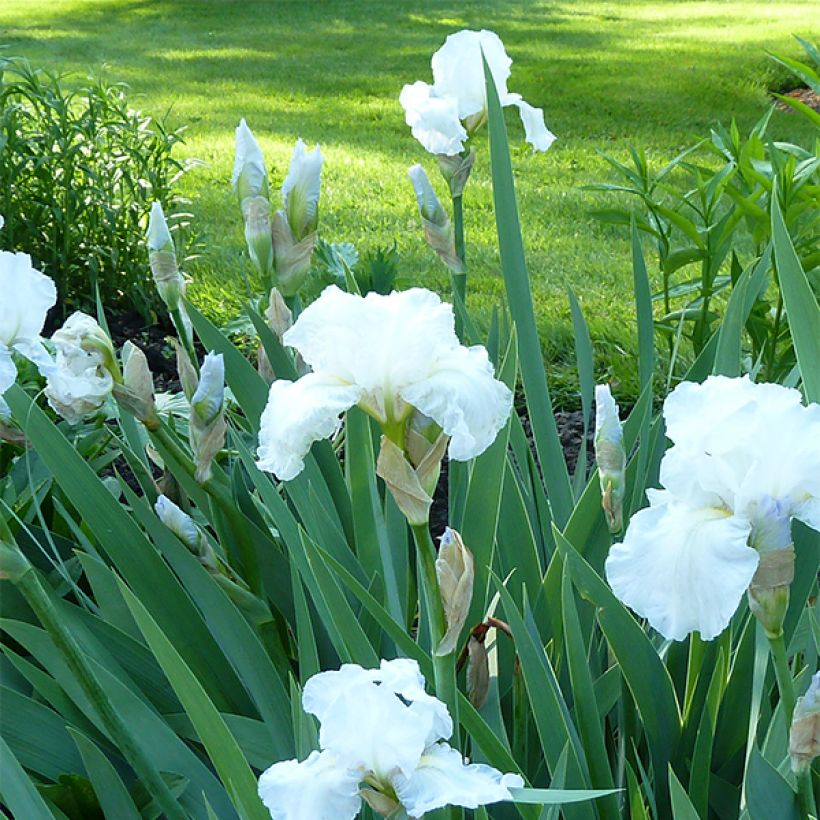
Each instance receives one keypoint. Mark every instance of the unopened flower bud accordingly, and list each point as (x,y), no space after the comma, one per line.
(300,190)
(438,230)
(250,179)
(610,456)
(804,737)
(456,170)
(180,523)
(207,421)
(136,393)
(278,315)
(163,259)
(188,377)
(279,318)
(455,573)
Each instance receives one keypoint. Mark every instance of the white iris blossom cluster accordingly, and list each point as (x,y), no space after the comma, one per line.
(444,115)
(393,356)
(378,728)
(745,461)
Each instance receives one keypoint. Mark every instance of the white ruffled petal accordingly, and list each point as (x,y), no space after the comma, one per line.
(297,414)
(433,120)
(8,375)
(536,132)
(371,728)
(682,569)
(28,295)
(465,399)
(318,788)
(458,70)
(443,779)
(380,343)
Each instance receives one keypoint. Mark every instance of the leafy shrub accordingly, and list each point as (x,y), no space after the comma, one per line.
(709,213)
(78,172)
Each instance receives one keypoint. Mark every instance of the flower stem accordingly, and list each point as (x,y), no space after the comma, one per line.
(444,667)
(805,794)
(784,677)
(29,585)
(459,279)
(182,332)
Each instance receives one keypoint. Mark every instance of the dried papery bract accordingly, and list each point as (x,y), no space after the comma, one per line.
(804,735)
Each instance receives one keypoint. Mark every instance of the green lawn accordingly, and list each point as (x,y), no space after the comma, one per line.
(656,74)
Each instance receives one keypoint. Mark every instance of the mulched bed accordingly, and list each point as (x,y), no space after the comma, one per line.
(804,95)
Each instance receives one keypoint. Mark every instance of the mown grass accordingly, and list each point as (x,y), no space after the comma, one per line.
(655,74)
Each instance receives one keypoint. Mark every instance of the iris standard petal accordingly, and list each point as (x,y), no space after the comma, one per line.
(380,343)
(682,569)
(465,399)
(433,120)
(371,728)
(297,414)
(458,70)
(442,778)
(318,788)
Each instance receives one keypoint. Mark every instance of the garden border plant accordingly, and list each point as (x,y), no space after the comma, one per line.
(167,630)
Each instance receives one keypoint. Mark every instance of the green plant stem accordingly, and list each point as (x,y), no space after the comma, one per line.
(783,674)
(775,333)
(38,599)
(459,279)
(805,794)
(184,338)
(444,666)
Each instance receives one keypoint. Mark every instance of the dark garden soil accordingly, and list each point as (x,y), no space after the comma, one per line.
(804,95)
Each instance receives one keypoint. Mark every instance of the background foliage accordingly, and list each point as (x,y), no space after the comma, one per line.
(658,75)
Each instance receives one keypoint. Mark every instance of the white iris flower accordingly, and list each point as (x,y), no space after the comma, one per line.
(745,461)
(28,295)
(392,356)
(80,381)
(442,116)
(379,728)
